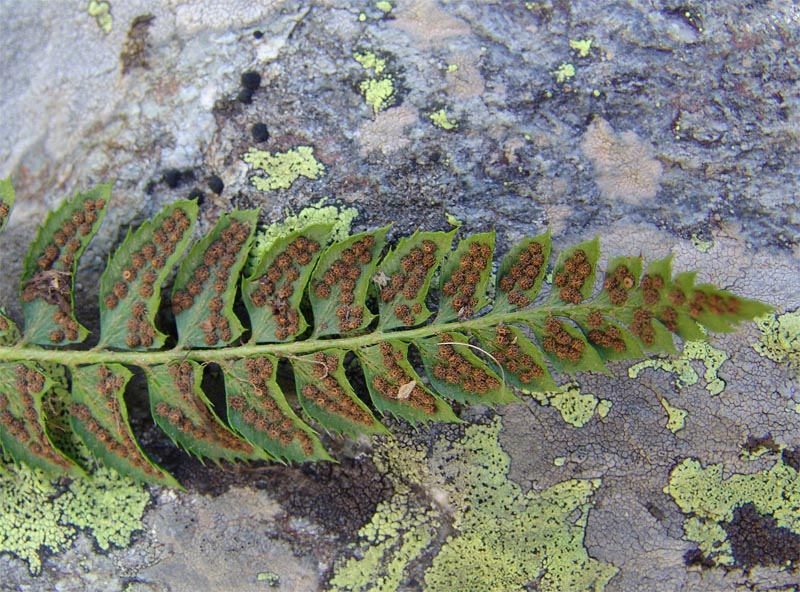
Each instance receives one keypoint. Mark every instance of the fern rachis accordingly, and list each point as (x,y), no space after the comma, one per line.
(312,301)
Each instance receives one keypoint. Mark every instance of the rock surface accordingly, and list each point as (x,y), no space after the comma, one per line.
(662,128)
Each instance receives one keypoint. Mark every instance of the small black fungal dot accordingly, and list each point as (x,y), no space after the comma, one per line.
(258,34)
(172,177)
(251,80)
(245,96)
(197,194)
(260,132)
(215,184)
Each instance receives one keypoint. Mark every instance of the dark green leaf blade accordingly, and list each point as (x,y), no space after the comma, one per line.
(522,362)
(566,346)
(184,413)
(6,201)
(404,276)
(9,334)
(130,287)
(258,410)
(207,281)
(396,388)
(327,396)
(22,422)
(48,277)
(521,273)
(457,373)
(99,417)
(339,283)
(273,293)
(574,273)
(465,277)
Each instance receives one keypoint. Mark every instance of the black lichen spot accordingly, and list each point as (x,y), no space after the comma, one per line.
(791,458)
(258,34)
(696,558)
(260,132)
(197,194)
(251,80)
(215,184)
(761,444)
(757,539)
(172,177)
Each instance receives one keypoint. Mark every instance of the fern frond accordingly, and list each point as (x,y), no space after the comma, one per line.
(328,312)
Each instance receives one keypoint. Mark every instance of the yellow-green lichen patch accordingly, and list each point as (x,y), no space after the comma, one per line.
(676,418)
(318,213)
(503,539)
(38,515)
(384,7)
(685,374)
(582,46)
(101,11)
(714,502)
(780,338)
(576,408)
(441,119)
(283,168)
(379,88)
(564,72)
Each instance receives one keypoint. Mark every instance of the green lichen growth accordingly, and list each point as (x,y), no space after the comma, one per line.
(283,168)
(710,499)
(441,119)
(317,213)
(379,88)
(701,245)
(711,357)
(582,46)
(564,72)
(576,408)
(269,578)
(384,7)
(101,11)
(37,514)
(676,417)
(780,338)
(504,539)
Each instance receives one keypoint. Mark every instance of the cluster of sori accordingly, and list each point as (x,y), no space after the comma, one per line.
(214,271)
(455,369)
(141,275)
(507,352)
(52,282)
(604,334)
(26,427)
(522,274)
(192,417)
(329,395)
(345,273)
(463,282)
(4,212)
(559,342)
(397,385)
(415,266)
(570,281)
(618,284)
(108,387)
(278,285)
(262,413)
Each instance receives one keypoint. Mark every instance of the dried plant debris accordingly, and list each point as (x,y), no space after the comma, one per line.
(333,310)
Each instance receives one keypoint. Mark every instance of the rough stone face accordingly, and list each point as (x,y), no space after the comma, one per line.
(421,112)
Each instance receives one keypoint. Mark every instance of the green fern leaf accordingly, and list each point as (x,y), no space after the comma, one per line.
(184,413)
(334,312)
(23,430)
(258,410)
(130,287)
(100,419)
(275,289)
(207,281)
(327,396)
(48,276)
(6,201)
